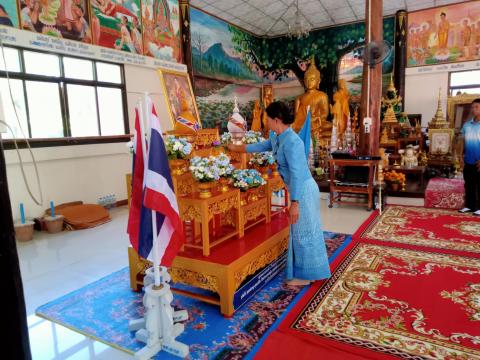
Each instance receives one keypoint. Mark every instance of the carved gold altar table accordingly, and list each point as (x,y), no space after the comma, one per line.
(225,272)
(194,208)
(255,212)
(275,184)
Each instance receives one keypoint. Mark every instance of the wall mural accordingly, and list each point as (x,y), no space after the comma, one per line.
(116,24)
(215,100)
(444,34)
(8,13)
(233,56)
(213,50)
(161,29)
(60,18)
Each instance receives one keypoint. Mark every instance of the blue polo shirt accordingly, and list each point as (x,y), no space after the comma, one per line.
(471,135)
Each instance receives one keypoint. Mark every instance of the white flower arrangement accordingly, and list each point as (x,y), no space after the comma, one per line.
(262,159)
(226,138)
(222,162)
(252,137)
(247,178)
(177,148)
(204,169)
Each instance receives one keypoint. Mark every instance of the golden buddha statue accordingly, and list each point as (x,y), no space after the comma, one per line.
(317,101)
(267,100)
(185,123)
(343,98)
(257,117)
(337,113)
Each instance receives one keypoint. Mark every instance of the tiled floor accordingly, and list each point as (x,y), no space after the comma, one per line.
(54,265)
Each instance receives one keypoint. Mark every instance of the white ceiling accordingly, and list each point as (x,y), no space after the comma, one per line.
(260,16)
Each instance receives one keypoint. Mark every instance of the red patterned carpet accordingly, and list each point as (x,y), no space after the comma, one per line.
(407,287)
(434,228)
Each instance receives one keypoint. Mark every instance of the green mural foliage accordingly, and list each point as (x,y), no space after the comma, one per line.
(278,56)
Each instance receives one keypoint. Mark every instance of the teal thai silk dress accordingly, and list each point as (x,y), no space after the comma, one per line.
(307,255)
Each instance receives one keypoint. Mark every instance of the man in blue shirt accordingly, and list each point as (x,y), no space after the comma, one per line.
(471,158)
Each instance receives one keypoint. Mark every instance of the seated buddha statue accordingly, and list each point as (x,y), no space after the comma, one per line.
(317,101)
(185,123)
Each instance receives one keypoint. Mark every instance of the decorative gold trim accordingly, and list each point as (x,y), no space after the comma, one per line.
(193,278)
(261,261)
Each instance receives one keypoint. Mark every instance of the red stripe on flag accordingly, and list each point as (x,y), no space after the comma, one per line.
(160,203)
(133,228)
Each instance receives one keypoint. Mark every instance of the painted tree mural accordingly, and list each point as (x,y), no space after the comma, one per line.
(280,55)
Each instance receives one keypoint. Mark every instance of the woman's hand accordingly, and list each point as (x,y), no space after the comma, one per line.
(237,148)
(294,212)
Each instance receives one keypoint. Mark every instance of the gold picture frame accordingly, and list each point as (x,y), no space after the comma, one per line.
(457,106)
(441,141)
(172,81)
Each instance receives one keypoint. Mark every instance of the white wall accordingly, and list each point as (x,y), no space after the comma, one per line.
(422,85)
(84,172)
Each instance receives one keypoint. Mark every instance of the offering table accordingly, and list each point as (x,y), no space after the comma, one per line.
(201,210)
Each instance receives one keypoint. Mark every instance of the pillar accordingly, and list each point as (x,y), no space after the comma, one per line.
(14,318)
(372,95)
(186,39)
(400,53)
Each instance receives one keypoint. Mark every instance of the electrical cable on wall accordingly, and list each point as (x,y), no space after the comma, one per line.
(25,180)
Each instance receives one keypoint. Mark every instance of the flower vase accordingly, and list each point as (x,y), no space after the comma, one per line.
(223,184)
(177,166)
(394,186)
(204,189)
(275,172)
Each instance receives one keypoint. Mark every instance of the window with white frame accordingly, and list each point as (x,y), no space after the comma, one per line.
(464,82)
(59,96)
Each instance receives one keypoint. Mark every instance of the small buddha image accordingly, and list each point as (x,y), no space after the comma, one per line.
(337,113)
(185,123)
(267,100)
(317,101)
(343,98)
(257,116)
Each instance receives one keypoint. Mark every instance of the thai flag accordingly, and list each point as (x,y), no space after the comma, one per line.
(157,195)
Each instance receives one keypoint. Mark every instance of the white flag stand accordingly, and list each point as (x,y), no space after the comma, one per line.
(159,327)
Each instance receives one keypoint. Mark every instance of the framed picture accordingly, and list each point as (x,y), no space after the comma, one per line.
(440,141)
(9,13)
(180,98)
(458,109)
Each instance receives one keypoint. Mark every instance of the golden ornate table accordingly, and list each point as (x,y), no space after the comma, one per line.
(193,208)
(275,184)
(255,212)
(184,184)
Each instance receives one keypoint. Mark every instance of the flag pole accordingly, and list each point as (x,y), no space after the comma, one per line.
(146,123)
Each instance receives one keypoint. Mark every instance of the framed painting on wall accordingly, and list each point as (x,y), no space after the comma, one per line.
(9,13)
(459,109)
(161,29)
(67,19)
(444,34)
(180,99)
(116,24)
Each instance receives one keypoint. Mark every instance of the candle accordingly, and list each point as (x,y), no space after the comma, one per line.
(22,214)
(52,209)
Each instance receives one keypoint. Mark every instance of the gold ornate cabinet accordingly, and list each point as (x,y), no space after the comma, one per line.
(193,208)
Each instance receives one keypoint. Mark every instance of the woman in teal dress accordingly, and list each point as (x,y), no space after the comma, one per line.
(307,256)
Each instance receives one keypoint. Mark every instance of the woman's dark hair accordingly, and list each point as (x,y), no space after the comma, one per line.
(280,110)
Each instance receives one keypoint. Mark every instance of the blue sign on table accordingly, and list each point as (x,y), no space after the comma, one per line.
(246,292)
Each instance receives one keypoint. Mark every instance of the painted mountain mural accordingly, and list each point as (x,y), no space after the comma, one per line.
(213,53)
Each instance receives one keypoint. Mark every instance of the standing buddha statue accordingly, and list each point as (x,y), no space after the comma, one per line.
(343,98)
(317,101)
(267,100)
